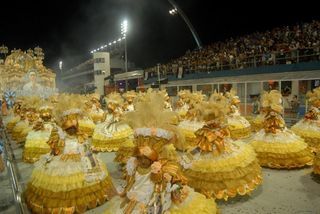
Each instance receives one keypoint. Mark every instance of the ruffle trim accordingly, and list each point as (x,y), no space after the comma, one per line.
(240,133)
(241,157)
(283,156)
(226,184)
(124,153)
(111,145)
(75,201)
(31,155)
(194,204)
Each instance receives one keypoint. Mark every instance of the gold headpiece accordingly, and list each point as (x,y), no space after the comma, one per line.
(114,98)
(272,100)
(314,97)
(129,94)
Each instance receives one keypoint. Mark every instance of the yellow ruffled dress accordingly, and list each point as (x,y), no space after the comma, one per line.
(37,144)
(69,183)
(257,122)
(20,131)
(87,126)
(195,203)
(221,168)
(278,147)
(111,135)
(10,122)
(188,128)
(144,185)
(239,126)
(309,129)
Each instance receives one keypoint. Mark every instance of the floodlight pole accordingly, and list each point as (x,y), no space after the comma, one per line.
(186,20)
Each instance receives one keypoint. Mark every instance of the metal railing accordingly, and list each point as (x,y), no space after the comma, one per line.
(9,161)
(268,58)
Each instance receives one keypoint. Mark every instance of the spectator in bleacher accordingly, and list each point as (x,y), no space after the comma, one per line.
(282,45)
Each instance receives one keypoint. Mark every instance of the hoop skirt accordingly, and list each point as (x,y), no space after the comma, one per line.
(188,128)
(68,183)
(235,170)
(110,136)
(37,144)
(87,126)
(309,130)
(281,150)
(239,126)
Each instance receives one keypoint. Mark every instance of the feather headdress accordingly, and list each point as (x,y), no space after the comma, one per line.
(213,110)
(272,100)
(129,94)
(314,97)
(114,98)
(150,119)
(68,104)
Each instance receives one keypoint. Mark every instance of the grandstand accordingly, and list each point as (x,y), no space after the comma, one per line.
(287,59)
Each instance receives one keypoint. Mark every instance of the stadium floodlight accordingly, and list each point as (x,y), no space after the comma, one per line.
(119,40)
(124,27)
(177,10)
(114,42)
(110,43)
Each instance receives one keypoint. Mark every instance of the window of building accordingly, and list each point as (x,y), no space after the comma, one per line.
(99,60)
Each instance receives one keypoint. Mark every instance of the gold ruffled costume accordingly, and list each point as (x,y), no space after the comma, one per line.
(71,179)
(112,134)
(155,183)
(275,145)
(218,166)
(238,125)
(309,127)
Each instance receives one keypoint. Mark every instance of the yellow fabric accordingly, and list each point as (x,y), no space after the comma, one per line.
(283,155)
(111,145)
(198,204)
(226,175)
(312,138)
(76,201)
(232,162)
(124,153)
(32,154)
(223,185)
(240,132)
(118,135)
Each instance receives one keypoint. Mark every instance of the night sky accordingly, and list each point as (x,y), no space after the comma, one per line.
(67,30)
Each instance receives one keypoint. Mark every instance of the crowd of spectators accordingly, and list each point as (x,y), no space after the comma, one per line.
(282,45)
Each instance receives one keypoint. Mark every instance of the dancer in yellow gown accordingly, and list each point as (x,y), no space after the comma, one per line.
(218,166)
(275,145)
(112,133)
(238,125)
(309,127)
(129,97)
(28,117)
(189,123)
(71,179)
(155,183)
(93,114)
(37,139)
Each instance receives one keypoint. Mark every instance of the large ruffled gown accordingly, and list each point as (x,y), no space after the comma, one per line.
(278,147)
(309,129)
(220,167)
(68,183)
(238,125)
(37,143)
(111,135)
